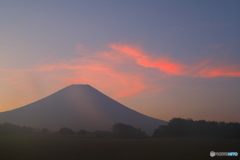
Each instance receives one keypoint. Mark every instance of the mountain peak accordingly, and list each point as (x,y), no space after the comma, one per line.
(78,106)
(79,85)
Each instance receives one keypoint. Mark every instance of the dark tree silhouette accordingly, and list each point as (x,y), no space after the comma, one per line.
(66,131)
(200,128)
(45,130)
(82,132)
(103,134)
(8,128)
(127,131)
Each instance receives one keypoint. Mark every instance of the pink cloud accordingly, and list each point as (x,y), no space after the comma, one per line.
(162,64)
(226,71)
(171,67)
(120,71)
(98,73)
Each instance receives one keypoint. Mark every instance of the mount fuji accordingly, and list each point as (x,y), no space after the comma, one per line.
(78,107)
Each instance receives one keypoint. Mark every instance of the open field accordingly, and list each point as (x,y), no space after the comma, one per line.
(46,147)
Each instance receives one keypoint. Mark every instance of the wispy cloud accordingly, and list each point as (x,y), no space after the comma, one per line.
(206,68)
(121,71)
(226,71)
(96,72)
(162,64)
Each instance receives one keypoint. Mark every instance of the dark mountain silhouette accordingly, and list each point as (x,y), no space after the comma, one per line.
(78,107)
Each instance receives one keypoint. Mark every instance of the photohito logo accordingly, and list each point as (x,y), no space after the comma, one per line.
(212,153)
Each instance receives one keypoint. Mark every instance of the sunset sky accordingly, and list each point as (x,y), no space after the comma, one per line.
(161,58)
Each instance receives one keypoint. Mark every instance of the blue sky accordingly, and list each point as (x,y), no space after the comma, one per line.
(162,58)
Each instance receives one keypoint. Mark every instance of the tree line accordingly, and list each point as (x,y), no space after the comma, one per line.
(199,128)
(177,127)
(8,128)
(119,130)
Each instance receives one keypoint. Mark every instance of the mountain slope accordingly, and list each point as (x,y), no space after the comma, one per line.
(78,107)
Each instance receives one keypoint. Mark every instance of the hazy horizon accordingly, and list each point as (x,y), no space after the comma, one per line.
(161,58)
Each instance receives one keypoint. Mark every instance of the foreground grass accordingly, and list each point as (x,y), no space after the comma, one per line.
(45,147)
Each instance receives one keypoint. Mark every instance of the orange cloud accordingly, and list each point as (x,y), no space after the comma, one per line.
(116,83)
(226,71)
(162,64)
(97,73)
(203,69)
(119,72)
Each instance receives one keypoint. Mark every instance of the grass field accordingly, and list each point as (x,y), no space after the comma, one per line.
(46,147)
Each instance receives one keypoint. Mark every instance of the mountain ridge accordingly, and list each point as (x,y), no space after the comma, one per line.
(78,107)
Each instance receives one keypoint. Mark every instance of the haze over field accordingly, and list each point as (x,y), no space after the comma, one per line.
(161,58)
